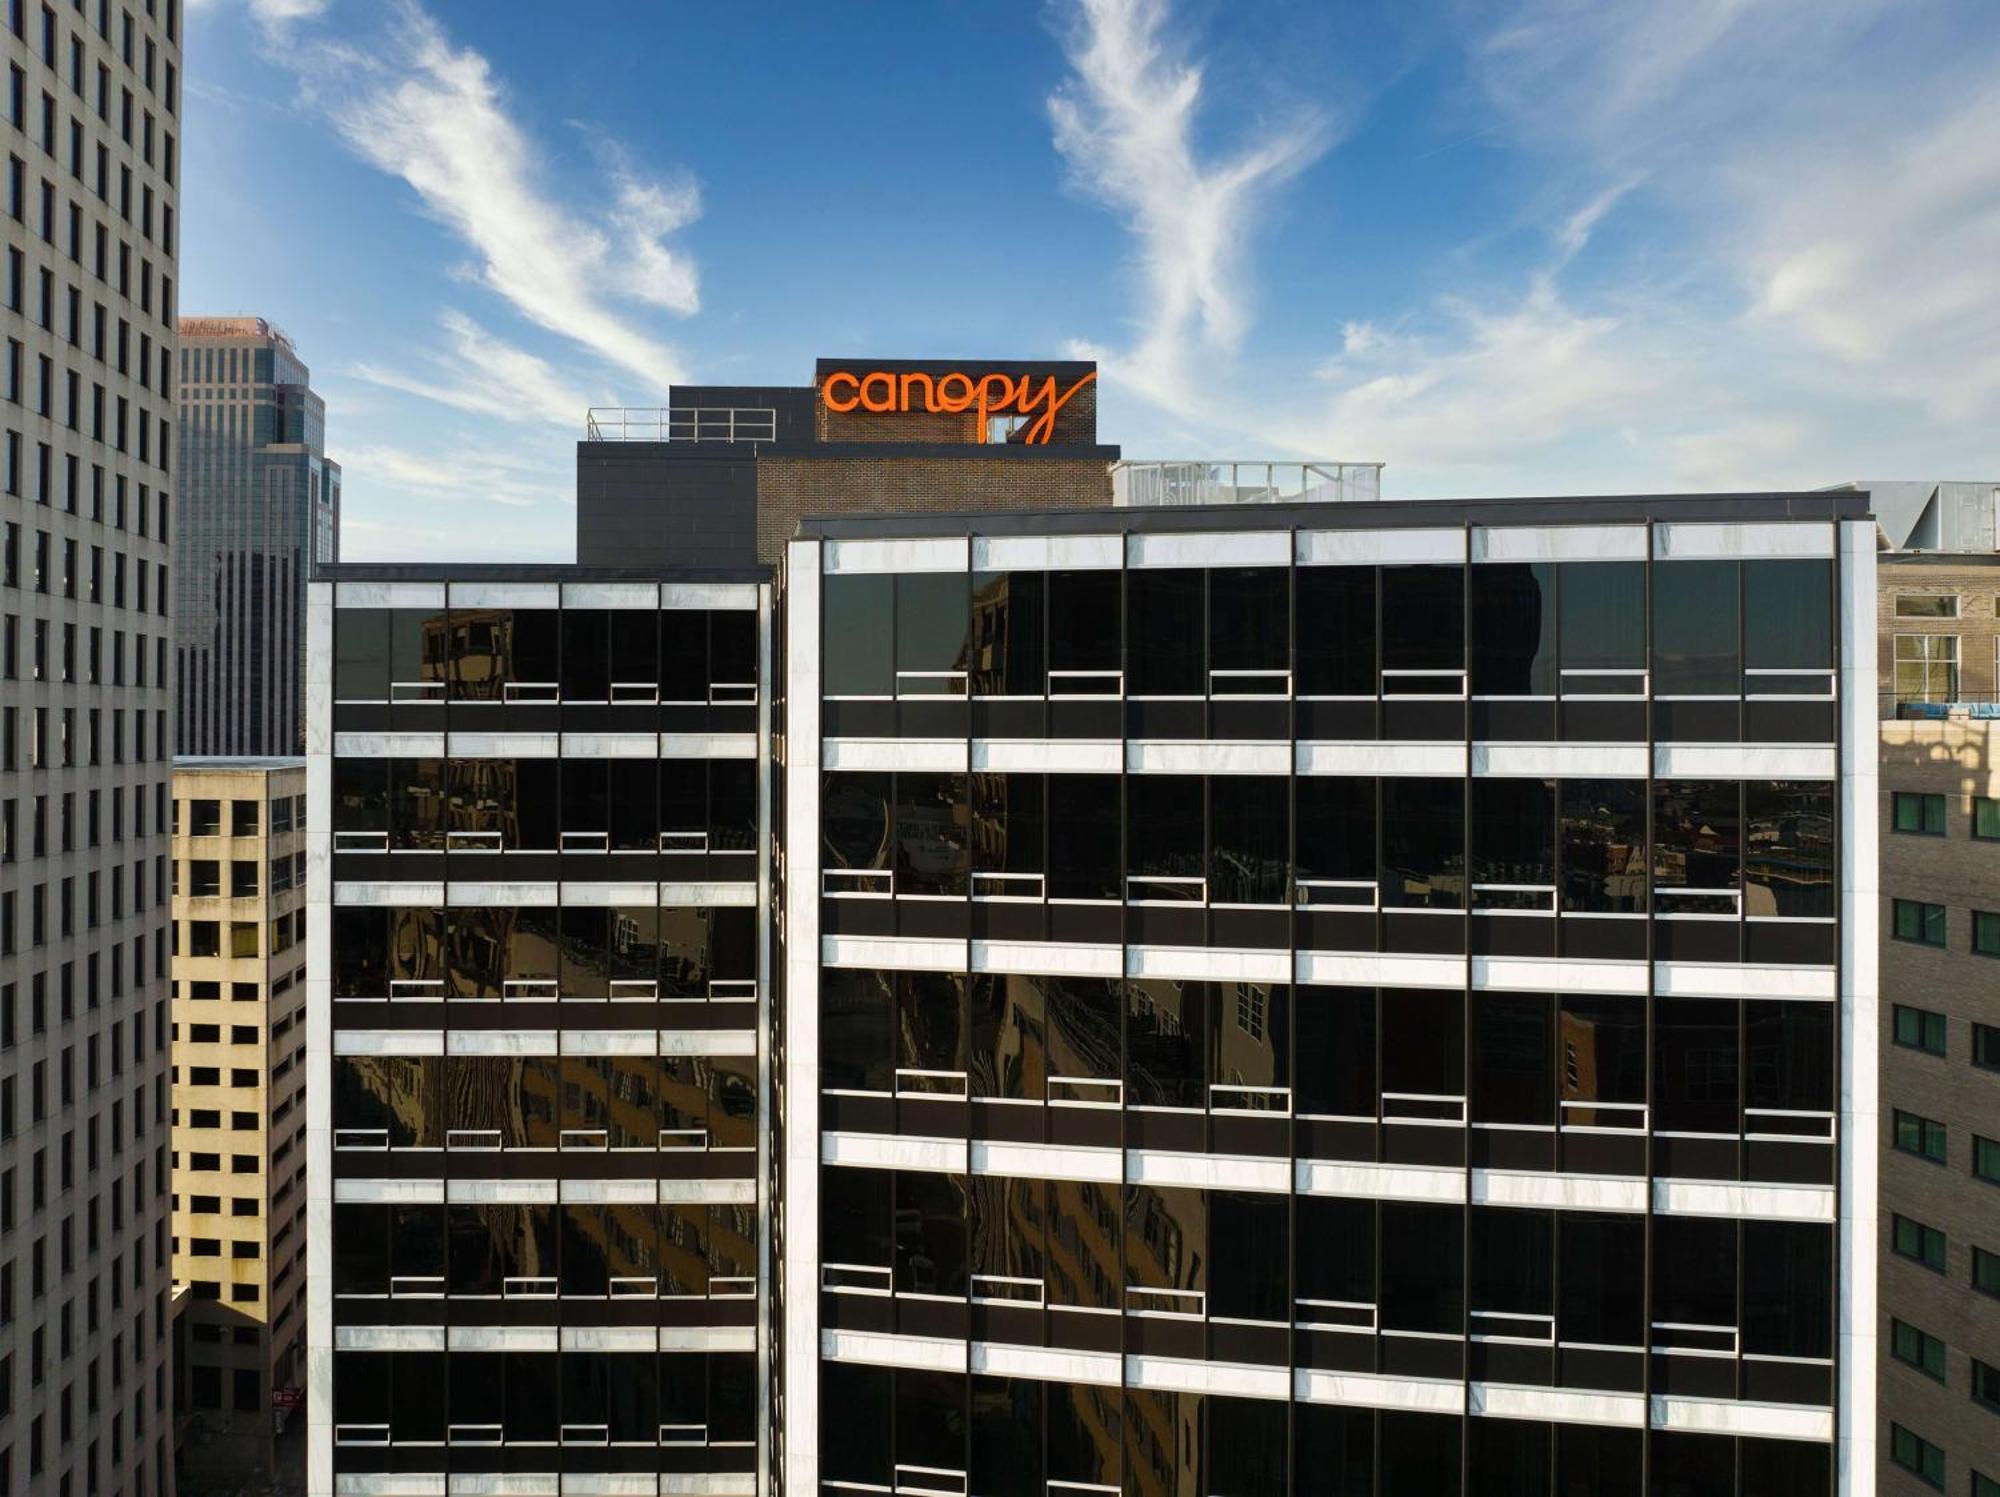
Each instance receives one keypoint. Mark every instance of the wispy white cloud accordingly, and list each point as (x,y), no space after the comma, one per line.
(1125,122)
(435,116)
(481,374)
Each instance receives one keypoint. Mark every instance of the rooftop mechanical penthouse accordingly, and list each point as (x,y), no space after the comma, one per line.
(1356,998)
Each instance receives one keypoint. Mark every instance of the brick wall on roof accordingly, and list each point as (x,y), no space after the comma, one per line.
(789,488)
(1977,625)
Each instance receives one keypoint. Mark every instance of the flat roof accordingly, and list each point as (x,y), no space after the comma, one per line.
(524,571)
(237,761)
(1608,509)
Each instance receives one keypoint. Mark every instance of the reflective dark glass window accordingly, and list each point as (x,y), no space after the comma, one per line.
(1604,846)
(1335,1051)
(510,804)
(1788,844)
(1601,1271)
(931,1022)
(1423,843)
(1689,1465)
(930,1232)
(858,653)
(1250,1248)
(1697,845)
(361,794)
(633,651)
(1166,1248)
(1006,1439)
(378,650)
(1007,829)
(586,796)
(634,791)
(1514,629)
(1009,1053)
(1084,1269)
(1006,1222)
(1603,612)
(1009,655)
(502,654)
(489,1245)
(395,1095)
(1422,1450)
(1085,1434)
(1249,628)
(416,804)
(1695,651)
(1246,1447)
(1335,817)
(1512,1267)
(1166,1043)
(732,806)
(1253,1046)
(1249,834)
(854,820)
(1788,1282)
(1601,1057)
(1795,1468)
(586,952)
(1513,1059)
(1508,1458)
(1787,617)
(1694,1274)
(586,655)
(1085,1015)
(1513,843)
(360,1249)
(1788,1058)
(1336,1444)
(683,652)
(930,822)
(1164,836)
(1598,1461)
(1696,1072)
(360,953)
(1335,1254)
(1085,833)
(1336,632)
(857,1029)
(855,1447)
(932,619)
(930,1420)
(1422,1268)
(1086,624)
(1165,633)
(1423,620)
(1163,1442)
(732,652)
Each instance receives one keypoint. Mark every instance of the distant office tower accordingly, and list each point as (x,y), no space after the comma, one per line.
(1939,668)
(260,502)
(239,1101)
(87,464)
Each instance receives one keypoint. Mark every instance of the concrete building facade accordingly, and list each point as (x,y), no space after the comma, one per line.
(1940,837)
(239,1039)
(88,457)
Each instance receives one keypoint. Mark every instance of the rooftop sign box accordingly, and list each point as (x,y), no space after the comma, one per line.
(1032,394)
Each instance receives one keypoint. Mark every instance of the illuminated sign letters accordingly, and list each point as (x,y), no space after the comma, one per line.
(881,392)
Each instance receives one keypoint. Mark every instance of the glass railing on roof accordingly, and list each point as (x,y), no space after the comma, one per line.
(1146,485)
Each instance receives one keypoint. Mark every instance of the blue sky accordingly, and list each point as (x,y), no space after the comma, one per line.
(1514,246)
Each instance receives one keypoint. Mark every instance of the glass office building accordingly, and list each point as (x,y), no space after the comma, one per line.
(535,969)
(1348,999)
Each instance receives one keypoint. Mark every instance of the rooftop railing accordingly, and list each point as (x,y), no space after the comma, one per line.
(702,423)
(1152,485)
(1951,706)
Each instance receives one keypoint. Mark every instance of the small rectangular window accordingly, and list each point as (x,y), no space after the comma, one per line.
(1918,812)
(1986,932)
(1986,1159)
(1919,1243)
(1922,1136)
(1986,1271)
(1916,1455)
(1986,1384)
(1926,605)
(1920,1029)
(1916,921)
(1986,1046)
(1986,818)
(1917,1348)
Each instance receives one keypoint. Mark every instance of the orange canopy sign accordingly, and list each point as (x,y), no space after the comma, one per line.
(882,392)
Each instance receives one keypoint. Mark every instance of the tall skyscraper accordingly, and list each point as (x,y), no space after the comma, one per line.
(260,504)
(87,476)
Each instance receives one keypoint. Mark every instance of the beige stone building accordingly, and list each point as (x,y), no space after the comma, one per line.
(239,1099)
(1940,1068)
